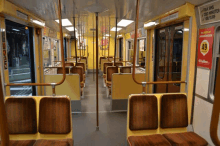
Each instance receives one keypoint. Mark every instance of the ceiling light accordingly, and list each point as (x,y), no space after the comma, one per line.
(186,29)
(107,35)
(119,35)
(15,29)
(38,22)
(124,22)
(114,29)
(70,28)
(65,22)
(150,24)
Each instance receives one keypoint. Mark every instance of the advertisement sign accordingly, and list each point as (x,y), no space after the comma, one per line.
(210,12)
(205,47)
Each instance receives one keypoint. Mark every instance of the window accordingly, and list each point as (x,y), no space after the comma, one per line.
(161,55)
(177,56)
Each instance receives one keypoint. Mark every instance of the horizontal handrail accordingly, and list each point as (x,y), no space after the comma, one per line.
(62,54)
(167,82)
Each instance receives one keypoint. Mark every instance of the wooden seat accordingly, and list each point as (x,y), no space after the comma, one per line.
(21,143)
(21,115)
(105,67)
(143,113)
(54,115)
(64,142)
(110,70)
(60,70)
(125,69)
(151,140)
(69,64)
(174,114)
(185,139)
(81,65)
(79,70)
(117,64)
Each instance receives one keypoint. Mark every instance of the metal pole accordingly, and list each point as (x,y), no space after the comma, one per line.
(115,39)
(97,70)
(102,37)
(79,41)
(75,36)
(109,38)
(93,52)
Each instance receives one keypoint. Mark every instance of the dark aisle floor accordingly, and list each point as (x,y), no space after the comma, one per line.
(112,126)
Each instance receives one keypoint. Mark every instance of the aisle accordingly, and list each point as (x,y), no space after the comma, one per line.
(112,129)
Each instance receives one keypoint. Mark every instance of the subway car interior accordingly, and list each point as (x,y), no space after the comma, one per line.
(109,72)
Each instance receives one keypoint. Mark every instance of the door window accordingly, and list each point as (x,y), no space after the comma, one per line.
(177,55)
(161,55)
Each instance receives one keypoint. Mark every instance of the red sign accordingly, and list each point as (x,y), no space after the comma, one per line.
(205,47)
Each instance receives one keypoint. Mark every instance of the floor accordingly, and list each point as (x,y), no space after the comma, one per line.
(112,125)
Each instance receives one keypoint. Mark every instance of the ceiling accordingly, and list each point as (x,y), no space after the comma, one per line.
(123,9)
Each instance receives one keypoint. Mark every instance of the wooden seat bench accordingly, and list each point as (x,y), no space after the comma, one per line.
(52,126)
(160,120)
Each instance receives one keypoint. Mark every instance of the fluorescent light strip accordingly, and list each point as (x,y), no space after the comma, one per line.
(70,28)
(124,22)
(65,22)
(107,35)
(150,24)
(15,29)
(38,22)
(114,29)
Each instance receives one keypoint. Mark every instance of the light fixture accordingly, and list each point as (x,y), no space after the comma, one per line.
(179,31)
(114,29)
(38,22)
(65,22)
(15,29)
(186,29)
(150,24)
(124,22)
(107,35)
(70,28)
(119,35)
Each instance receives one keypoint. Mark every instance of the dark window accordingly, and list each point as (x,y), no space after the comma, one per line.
(177,56)
(161,55)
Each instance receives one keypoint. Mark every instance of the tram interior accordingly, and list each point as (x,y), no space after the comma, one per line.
(109,73)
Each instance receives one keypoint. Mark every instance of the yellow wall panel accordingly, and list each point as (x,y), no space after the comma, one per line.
(123,85)
(70,87)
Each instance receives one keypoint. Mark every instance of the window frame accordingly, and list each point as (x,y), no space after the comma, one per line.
(213,71)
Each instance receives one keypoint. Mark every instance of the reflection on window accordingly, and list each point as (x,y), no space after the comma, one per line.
(51,54)
(177,56)
(161,55)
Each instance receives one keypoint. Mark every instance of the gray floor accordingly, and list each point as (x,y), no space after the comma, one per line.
(112,126)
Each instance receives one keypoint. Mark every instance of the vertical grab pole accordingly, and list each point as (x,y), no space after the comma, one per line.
(79,42)
(3,118)
(93,52)
(215,111)
(115,39)
(75,36)
(102,37)
(109,39)
(97,79)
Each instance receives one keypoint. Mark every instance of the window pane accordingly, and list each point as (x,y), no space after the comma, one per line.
(177,56)
(161,55)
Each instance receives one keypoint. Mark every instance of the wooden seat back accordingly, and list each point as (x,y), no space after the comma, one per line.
(60,70)
(54,115)
(125,69)
(21,115)
(110,71)
(81,65)
(105,66)
(78,70)
(117,64)
(143,113)
(174,113)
